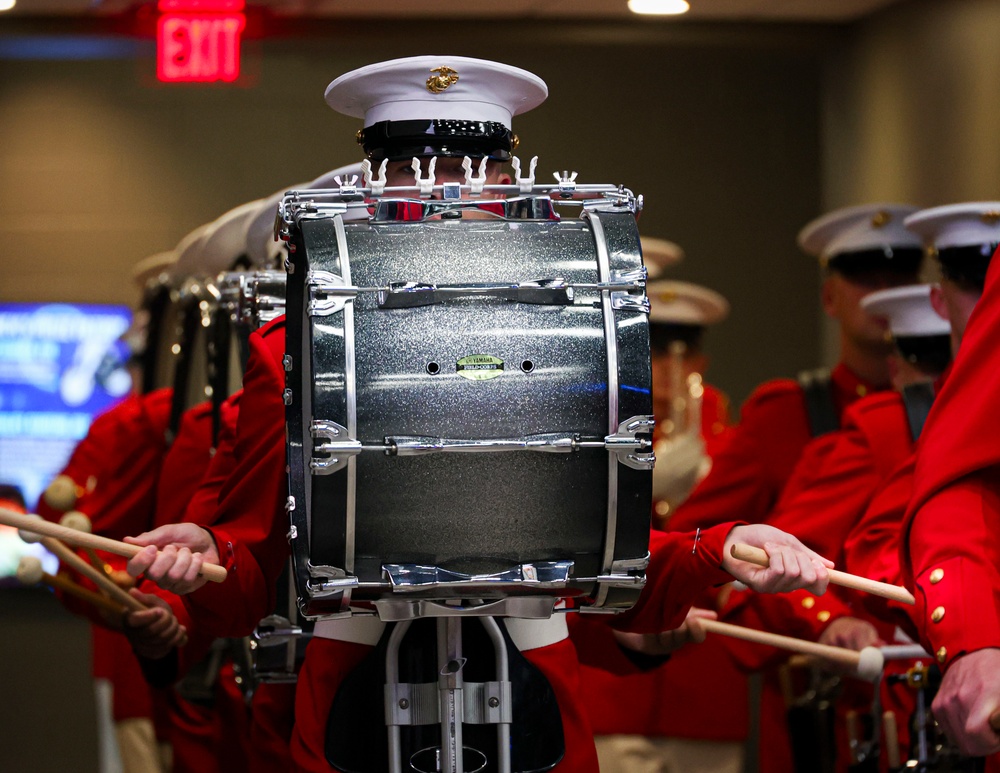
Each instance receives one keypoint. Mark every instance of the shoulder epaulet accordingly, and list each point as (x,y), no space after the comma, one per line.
(821,410)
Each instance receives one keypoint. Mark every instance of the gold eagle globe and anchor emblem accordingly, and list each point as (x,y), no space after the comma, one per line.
(445,78)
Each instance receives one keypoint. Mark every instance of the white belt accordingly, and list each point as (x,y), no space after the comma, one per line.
(533,634)
(526,634)
(360,629)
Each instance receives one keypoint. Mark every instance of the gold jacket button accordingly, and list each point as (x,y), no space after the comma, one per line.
(938,614)
(936,576)
(808,602)
(941,654)
(823,616)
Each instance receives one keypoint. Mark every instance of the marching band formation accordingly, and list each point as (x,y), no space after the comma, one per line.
(422,474)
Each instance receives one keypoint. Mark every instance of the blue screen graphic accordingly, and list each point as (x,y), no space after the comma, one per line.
(60,365)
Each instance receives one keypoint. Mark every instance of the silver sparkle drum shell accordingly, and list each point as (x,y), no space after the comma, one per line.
(383,373)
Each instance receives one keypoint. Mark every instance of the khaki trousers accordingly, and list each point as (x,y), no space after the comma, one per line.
(640,754)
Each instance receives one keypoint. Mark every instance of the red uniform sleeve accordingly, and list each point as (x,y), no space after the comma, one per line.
(203,505)
(955,559)
(680,569)
(185,464)
(250,527)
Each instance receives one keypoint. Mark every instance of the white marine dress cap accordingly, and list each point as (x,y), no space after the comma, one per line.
(436,105)
(683,303)
(963,236)
(865,237)
(908,310)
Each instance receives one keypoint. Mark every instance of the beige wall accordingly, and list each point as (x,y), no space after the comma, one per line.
(911,108)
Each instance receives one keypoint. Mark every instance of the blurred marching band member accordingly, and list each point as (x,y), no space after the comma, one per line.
(861,249)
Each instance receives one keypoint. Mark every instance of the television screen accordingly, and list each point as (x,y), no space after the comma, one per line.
(60,365)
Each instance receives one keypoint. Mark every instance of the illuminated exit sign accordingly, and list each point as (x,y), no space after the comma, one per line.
(198,41)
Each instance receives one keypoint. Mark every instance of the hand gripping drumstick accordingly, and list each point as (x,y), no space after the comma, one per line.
(74,519)
(895,592)
(866,664)
(211,572)
(68,558)
(29,572)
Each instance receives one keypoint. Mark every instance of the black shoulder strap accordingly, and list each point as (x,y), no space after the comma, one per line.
(820,408)
(918,399)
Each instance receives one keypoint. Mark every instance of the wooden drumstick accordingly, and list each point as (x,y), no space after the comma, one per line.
(211,572)
(890,732)
(867,664)
(68,558)
(895,592)
(74,519)
(30,572)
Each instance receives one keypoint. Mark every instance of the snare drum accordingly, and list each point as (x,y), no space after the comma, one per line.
(469,409)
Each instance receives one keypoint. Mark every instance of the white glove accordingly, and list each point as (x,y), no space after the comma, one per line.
(681,464)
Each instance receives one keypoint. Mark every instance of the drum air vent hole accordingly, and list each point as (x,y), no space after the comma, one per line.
(433,368)
(527,366)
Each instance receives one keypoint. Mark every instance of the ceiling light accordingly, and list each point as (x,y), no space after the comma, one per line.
(659,7)
(6,5)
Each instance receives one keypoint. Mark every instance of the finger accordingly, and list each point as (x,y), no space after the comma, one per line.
(161,566)
(194,569)
(807,569)
(776,561)
(942,712)
(822,577)
(179,569)
(696,629)
(139,563)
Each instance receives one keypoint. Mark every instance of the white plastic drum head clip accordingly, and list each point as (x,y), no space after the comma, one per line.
(426,184)
(478,182)
(376,184)
(525,184)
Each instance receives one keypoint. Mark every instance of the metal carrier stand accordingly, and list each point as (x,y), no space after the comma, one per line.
(449,703)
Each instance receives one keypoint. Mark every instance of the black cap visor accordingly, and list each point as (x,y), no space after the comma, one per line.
(967,266)
(401,140)
(901,260)
(931,354)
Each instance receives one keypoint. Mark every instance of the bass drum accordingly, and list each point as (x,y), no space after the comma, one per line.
(469,411)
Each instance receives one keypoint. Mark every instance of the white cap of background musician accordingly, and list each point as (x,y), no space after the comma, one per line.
(963,237)
(153,268)
(683,303)
(658,255)
(224,243)
(919,334)
(436,106)
(908,311)
(869,237)
(262,249)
